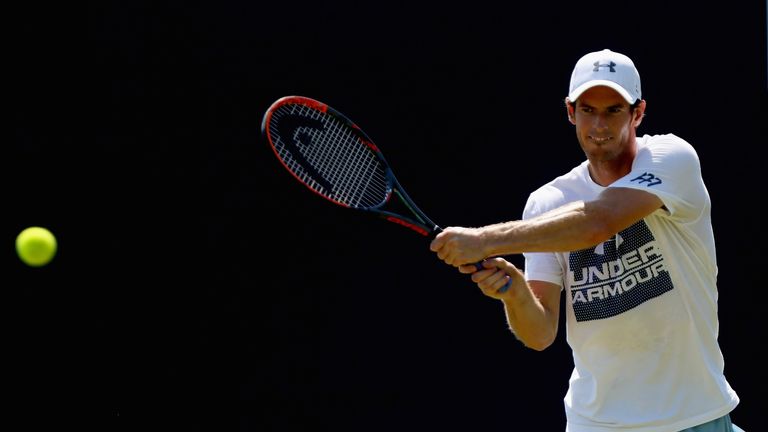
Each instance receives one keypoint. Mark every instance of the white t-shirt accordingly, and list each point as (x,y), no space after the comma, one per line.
(641,306)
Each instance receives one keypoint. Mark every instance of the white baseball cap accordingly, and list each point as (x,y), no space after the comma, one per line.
(605,68)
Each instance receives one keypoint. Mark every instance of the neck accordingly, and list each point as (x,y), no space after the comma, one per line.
(605,172)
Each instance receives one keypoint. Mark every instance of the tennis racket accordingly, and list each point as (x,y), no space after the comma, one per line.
(334,158)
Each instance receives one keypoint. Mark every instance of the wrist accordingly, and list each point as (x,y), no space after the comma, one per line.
(486,244)
(489,240)
(517,295)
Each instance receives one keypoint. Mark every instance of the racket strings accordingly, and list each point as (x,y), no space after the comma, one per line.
(333,160)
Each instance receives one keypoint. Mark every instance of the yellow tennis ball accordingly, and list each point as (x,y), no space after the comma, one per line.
(36,246)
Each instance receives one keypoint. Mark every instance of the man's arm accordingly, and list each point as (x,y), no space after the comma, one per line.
(532,308)
(521,324)
(574,226)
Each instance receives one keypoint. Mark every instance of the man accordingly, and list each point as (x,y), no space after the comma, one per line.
(627,236)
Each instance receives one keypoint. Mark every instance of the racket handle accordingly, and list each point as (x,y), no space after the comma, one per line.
(437,230)
(479,266)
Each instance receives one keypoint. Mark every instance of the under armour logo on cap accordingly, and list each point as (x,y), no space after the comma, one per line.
(609,65)
(605,68)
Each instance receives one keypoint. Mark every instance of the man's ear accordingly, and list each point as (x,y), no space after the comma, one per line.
(639,113)
(570,108)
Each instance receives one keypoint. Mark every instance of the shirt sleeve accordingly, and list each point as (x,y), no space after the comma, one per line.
(542,266)
(668,167)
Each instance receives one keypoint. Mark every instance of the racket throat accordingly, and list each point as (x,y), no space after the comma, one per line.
(409,224)
(419,222)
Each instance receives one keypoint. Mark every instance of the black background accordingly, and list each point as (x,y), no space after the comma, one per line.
(198,287)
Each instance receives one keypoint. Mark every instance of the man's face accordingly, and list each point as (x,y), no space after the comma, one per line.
(605,126)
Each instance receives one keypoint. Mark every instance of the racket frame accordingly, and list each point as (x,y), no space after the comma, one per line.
(419,222)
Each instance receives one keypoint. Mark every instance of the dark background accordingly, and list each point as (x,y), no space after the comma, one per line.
(198,287)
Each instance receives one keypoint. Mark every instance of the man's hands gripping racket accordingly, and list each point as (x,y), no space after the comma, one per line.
(334,158)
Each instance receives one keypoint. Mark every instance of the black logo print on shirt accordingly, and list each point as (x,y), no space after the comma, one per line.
(648,178)
(619,274)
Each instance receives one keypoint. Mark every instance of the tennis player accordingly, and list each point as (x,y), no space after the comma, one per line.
(627,236)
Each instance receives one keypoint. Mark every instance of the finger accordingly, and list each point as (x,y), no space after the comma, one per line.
(481,276)
(489,278)
(505,287)
(495,262)
(500,278)
(499,285)
(438,242)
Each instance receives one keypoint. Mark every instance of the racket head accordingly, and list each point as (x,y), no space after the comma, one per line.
(328,153)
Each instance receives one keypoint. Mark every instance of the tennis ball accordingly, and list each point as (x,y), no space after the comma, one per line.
(36,246)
